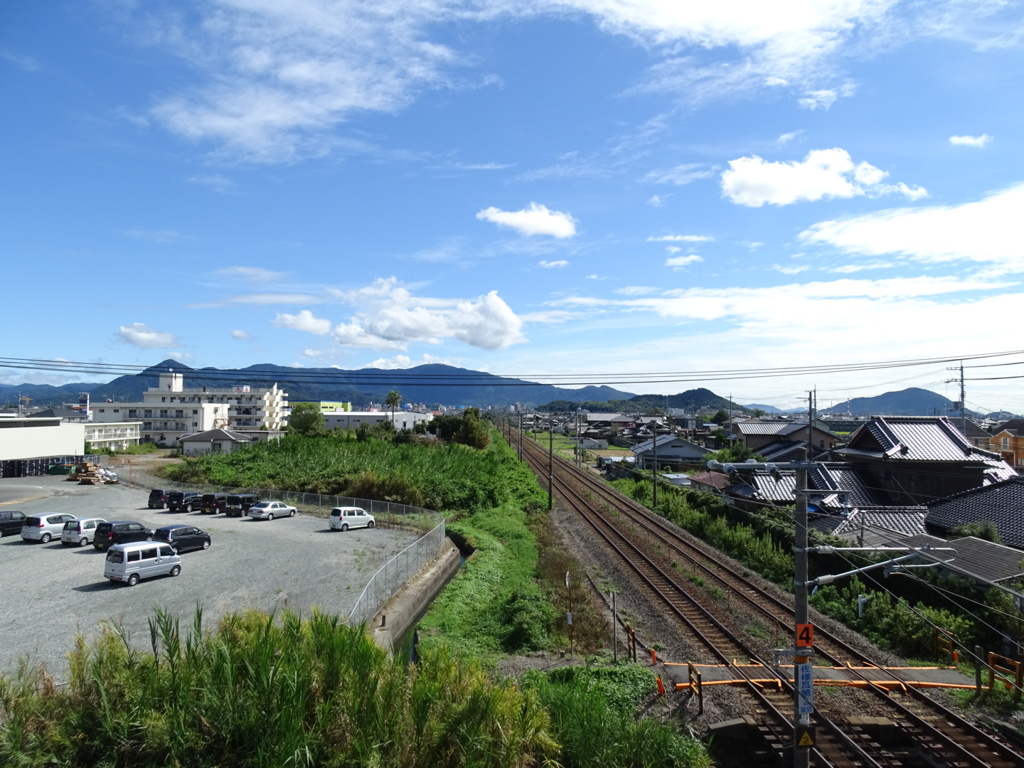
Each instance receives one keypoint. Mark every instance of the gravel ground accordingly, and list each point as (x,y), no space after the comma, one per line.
(51,592)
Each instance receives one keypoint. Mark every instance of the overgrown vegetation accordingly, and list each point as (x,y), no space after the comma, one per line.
(259,692)
(142,449)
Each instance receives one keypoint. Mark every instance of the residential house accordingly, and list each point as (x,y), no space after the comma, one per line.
(757,434)
(918,460)
(667,450)
(213,441)
(1008,441)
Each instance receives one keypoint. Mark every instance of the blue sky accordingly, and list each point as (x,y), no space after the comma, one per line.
(578,189)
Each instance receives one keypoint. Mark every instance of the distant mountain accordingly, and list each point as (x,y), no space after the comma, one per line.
(907,402)
(429,384)
(691,400)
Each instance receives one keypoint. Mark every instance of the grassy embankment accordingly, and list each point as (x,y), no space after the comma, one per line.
(259,691)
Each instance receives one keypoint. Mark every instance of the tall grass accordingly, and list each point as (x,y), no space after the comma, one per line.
(261,691)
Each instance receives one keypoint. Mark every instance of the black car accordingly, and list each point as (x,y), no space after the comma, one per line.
(157,499)
(184,501)
(11,521)
(182,538)
(238,504)
(213,503)
(120,532)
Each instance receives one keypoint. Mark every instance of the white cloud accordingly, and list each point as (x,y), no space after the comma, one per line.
(824,99)
(238,333)
(656,201)
(636,290)
(304,321)
(680,174)
(553,264)
(785,138)
(971,141)
(989,230)
(680,239)
(24,63)
(140,335)
(275,298)
(251,274)
(680,262)
(535,219)
(824,173)
(389,316)
(790,270)
(399,362)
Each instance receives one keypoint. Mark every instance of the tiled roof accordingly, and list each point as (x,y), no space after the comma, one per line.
(977,558)
(762,427)
(1002,503)
(861,487)
(1016,426)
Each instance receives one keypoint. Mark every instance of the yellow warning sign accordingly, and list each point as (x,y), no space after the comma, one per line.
(804,737)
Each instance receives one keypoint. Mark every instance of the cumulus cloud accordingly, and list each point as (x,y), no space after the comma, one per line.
(785,138)
(535,219)
(988,231)
(398,362)
(656,201)
(681,262)
(241,335)
(553,264)
(389,316)
(971,141)
(304,321)
(823,173)
(140,335)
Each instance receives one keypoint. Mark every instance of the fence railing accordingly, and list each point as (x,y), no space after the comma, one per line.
(389,578)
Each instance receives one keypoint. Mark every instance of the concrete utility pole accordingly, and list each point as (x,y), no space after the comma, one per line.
(551,454)
(654,474)
(963,398)
(803,649)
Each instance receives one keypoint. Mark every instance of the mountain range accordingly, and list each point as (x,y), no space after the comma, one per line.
(444,385)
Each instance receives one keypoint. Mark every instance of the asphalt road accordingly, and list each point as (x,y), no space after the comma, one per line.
(50,592)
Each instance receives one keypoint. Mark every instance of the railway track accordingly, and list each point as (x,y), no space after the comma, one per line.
(650,549)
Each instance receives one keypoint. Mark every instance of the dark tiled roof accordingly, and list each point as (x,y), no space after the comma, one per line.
(862,488)
(1016,426)
(1002,503)
(921,439)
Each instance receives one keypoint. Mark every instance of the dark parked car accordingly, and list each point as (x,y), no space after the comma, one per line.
(182,538)
(238,504)
(157,499)
(214,503)
(11,521)
(120,532)
(184,501)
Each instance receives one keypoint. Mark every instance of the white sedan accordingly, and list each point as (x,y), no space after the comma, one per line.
(268,510)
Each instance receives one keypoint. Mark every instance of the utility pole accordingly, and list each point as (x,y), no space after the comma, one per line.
(963,399)
(654,474)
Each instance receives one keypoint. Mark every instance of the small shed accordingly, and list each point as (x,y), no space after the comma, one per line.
(213,441)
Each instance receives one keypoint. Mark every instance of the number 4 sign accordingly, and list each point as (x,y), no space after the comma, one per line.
(804,635)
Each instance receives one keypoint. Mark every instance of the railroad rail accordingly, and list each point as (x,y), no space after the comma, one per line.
(646,545)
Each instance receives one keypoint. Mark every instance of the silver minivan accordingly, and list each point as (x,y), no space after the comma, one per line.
(343,518)
(80,532)
(140,560)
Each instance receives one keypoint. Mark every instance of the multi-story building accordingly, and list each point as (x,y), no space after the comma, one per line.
(169,411)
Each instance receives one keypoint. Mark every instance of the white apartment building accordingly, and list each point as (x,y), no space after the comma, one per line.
(169,411)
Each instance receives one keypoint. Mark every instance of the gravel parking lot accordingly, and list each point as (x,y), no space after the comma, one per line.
(50,592)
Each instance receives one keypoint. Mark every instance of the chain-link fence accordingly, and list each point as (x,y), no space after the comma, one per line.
(391,577)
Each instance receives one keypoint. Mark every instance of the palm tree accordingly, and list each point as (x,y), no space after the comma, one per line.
(392,401)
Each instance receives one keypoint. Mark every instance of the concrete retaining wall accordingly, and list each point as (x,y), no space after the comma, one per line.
(403,610)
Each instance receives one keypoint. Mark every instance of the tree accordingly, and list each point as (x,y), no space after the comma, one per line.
(392,401)
(721,417)
(307,419)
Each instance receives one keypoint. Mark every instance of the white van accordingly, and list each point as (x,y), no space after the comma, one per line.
(140,560)
(343,518)
(80,532)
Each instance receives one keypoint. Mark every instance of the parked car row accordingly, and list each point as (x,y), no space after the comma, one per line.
(231,504)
